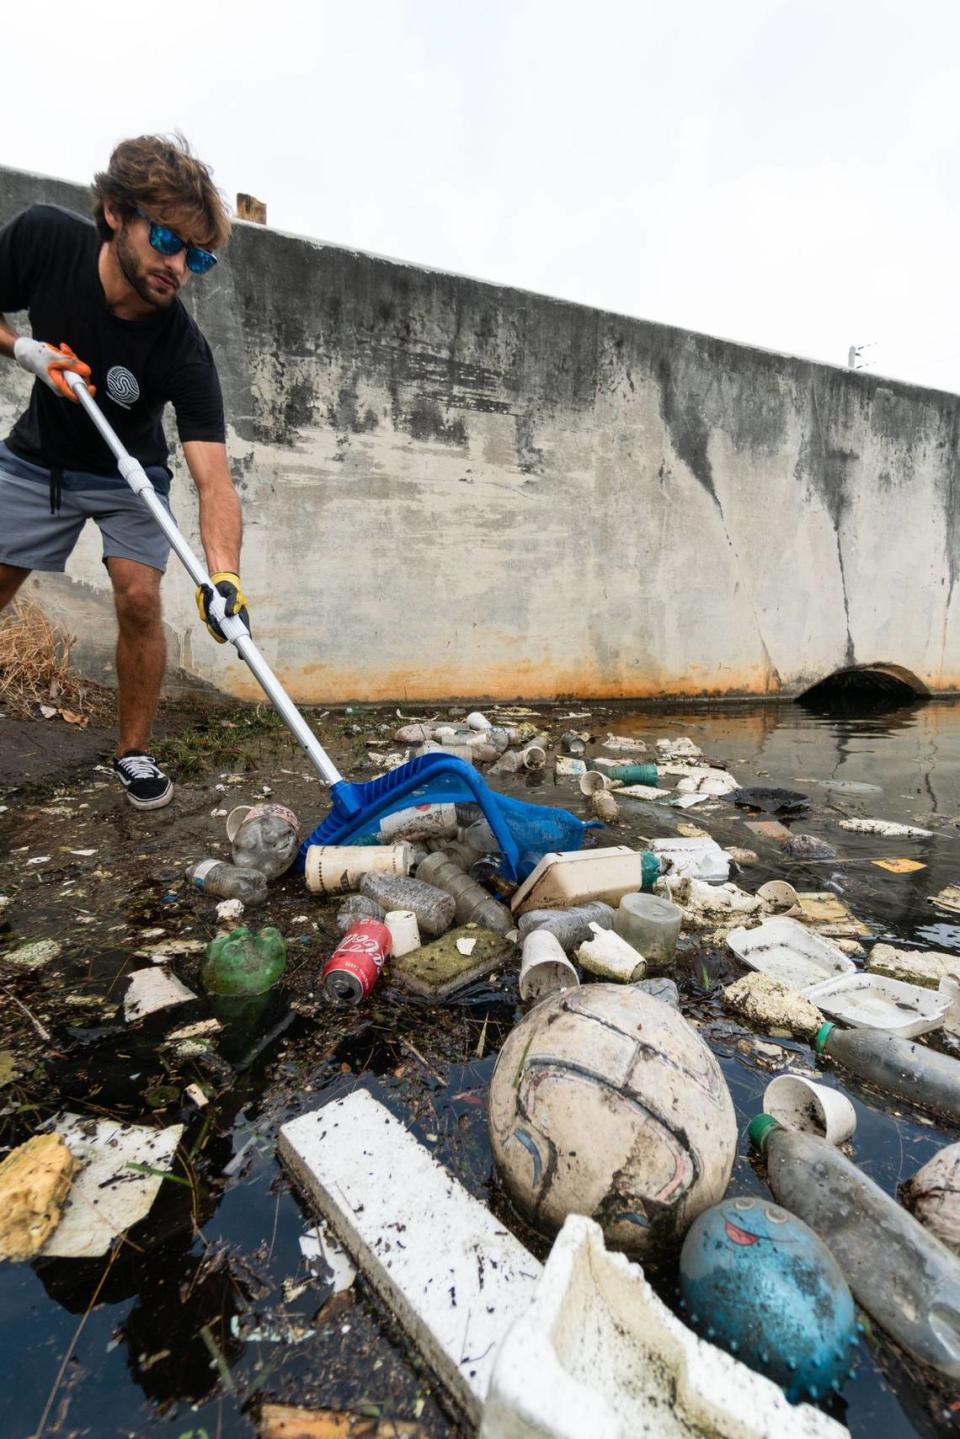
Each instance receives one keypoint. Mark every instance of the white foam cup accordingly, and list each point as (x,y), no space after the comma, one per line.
(809,1108)
(404,931)
(544,967)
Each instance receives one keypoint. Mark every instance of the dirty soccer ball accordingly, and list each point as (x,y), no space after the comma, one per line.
(605,1102)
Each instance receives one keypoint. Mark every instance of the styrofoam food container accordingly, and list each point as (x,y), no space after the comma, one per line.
(790,952)
(870,1001)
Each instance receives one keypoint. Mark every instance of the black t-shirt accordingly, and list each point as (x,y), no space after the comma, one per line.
(48,266)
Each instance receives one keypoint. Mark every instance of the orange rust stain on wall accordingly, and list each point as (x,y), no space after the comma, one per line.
(325,684)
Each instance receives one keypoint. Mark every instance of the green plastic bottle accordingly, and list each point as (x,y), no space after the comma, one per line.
(241,963)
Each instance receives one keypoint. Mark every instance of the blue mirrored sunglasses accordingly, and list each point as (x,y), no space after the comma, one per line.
(167,242)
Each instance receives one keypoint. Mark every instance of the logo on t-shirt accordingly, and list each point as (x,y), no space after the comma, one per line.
(122,387)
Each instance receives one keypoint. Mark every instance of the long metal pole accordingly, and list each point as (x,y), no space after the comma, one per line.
(233,627)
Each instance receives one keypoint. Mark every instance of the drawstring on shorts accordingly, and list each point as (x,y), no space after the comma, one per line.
(56,489)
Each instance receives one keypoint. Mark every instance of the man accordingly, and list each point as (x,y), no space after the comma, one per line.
(103,301)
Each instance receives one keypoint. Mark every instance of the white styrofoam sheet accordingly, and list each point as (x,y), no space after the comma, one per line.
(790,952)
(451,1273)
(108,1195)
(150,990)
(870,1001)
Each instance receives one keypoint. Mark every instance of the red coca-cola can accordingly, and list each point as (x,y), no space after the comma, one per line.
(354,967)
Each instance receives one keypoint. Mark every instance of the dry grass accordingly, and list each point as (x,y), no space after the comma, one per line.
(35,669)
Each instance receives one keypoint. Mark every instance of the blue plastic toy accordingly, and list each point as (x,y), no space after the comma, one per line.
(757,1281)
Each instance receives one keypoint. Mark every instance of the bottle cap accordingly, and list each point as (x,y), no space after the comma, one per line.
(822,1035)
(759,1127)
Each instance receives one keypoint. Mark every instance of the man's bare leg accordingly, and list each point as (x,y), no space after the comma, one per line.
(141,649)
(11,578)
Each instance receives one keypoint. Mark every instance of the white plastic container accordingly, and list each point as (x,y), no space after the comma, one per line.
(869,1001)
(533,757)
(544,967)
(478,721)
(809,1108)
(694,858)
(789,952)
(337,868)
(576,876)
(596,1354)
(650,924)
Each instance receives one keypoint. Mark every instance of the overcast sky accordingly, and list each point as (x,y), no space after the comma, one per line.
(781,172)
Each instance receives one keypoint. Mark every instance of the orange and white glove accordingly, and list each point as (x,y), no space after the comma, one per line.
(48,364)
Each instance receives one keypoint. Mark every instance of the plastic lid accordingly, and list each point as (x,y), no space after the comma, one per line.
(760,1126)
(822,1035)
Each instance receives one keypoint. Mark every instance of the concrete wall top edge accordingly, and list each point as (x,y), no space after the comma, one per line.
(22,187)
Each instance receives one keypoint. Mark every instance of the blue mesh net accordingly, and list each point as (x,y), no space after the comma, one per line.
(529,830)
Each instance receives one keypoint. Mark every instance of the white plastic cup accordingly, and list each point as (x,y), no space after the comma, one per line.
(779,897)
(404,931)
(478,721)
(534,756)
(809,1108)
(544,968)
(337,868)
(593,781)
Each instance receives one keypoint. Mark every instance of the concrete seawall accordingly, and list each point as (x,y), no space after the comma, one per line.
(454,489)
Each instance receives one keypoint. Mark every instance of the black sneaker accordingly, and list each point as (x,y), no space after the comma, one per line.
(145,782)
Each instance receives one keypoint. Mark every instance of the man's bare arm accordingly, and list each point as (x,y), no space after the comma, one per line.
(221,522)
(8,338)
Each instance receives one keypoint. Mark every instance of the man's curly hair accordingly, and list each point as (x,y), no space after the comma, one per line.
(160,174)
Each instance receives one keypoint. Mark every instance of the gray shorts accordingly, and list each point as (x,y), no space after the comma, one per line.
(35,539)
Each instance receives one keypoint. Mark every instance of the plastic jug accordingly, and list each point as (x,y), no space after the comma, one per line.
(241,963)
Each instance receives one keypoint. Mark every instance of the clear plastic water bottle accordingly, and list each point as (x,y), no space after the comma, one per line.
(904,1277)
(355,907)
(922,1076)
(433,907)
(228,881)
(473,904)
(267,842)
(570,926)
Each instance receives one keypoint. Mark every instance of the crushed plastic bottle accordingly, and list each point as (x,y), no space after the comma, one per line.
(570,926)
(433,907)
(922,1076)
(473,904)
(358,906)
(904,1277)
(242,963)
(264,837)
(227,881)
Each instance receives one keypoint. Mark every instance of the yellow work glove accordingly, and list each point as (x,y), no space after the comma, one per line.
(228,585)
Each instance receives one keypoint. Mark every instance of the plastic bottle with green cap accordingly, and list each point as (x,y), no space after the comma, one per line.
(910,1071)
(904,1277)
